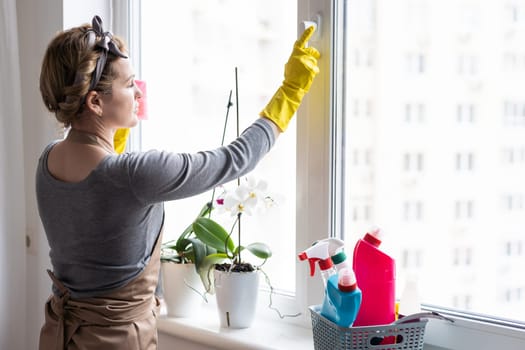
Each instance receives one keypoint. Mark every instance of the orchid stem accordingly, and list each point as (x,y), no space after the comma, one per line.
(238,179)
(236,222)
(222,143)
(230,103)
(239,234)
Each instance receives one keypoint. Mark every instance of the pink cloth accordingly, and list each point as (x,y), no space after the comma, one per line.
(143,102)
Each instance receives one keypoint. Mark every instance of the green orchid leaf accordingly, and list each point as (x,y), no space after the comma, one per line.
(206,210)
(213,234)
(205,270)
(260,250)
(200,251)
(174,258)
(238,250)
(181,245)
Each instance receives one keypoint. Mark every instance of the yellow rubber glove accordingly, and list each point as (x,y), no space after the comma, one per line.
(120,139)
(299,73)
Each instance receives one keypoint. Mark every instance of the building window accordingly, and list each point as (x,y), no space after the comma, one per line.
(462,302)
(464,161)
(411,259)
(465,113)
(362,107)
(513,295)
(414,113)
(412,210)
(463,209)
(467,65)
(513,203)
(513,113)
(514,248)
(413,162)
(462,256)
(415,63)
(361,212)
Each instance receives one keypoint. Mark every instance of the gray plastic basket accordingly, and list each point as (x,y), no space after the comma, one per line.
(329,336)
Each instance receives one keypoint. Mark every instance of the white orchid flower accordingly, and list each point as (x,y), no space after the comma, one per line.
(246,197)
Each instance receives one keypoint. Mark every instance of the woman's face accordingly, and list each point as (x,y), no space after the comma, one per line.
(121,106)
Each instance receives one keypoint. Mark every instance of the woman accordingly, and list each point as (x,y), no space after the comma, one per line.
(102,211)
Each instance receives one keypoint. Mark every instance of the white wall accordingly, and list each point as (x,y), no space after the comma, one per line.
(23,277)
(12,218)
(37,23)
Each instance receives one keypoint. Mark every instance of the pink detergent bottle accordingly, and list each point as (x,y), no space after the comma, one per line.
(375,272)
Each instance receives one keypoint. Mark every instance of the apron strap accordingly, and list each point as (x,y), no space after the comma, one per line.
(60,310)
(63,290)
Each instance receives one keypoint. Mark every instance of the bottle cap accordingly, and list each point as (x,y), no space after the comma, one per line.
(347,281)
(373,236)
(325,264)
(339,257)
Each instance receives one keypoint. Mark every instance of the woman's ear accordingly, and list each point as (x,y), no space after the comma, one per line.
(94,102)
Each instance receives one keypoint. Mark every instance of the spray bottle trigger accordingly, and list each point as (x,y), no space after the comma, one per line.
(312,266)
(303,256)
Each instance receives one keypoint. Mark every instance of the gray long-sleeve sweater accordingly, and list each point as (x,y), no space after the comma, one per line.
(101,231)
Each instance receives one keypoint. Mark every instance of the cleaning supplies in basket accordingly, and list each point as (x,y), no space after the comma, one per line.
(406,333)
(375,272)
(342,298)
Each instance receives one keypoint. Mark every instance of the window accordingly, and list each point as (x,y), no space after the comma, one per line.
(189,53)
(465,113)
(444,184)
(464,161)
(417,138)
(414,112)
(413,162)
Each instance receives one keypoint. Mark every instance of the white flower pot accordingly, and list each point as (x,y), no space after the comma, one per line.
(236,294)
(180,283)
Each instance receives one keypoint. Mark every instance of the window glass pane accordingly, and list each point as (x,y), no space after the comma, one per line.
(445,137)
(189,52)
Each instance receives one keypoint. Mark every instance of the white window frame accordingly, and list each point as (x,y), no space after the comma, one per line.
(319,122)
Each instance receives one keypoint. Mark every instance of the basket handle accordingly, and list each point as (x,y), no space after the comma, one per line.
(425,315)
(385,342)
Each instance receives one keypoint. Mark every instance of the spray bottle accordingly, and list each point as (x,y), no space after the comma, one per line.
(342,299)
(375,272)
(337,253)
(319,253)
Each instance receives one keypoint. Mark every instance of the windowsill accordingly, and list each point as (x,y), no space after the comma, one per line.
(268,331)
(467,333)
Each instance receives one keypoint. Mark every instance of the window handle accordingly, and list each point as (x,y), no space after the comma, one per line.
(316,23)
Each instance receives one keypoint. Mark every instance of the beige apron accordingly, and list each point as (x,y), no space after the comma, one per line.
(125,319)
